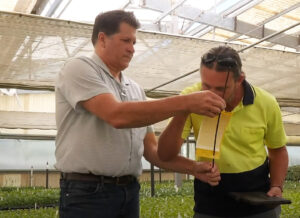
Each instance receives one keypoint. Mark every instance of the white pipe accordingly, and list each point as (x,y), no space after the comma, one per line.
(293,140)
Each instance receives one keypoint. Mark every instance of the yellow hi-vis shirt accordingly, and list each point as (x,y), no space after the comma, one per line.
(256,121)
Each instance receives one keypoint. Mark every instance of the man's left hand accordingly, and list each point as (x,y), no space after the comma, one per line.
(206,173)
(275,192)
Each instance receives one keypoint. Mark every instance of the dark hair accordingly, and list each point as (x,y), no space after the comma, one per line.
(223,58)
(109,22)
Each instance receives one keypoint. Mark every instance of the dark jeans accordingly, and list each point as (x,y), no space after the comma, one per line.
(80,199)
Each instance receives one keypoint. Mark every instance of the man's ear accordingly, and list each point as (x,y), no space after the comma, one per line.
(101,39)
(241,78)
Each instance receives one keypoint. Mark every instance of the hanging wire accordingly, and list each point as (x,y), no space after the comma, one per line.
(219,116)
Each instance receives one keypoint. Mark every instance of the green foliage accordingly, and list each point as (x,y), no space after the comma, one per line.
(166,189)
(24,197)
(173,206)
(292,192)
(167,201)
(293,173)
(40,213)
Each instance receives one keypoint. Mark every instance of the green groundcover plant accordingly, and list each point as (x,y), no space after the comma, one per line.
(168,201)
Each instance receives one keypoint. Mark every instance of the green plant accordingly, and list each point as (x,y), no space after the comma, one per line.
(27,197)
(40,213)
(168,201)
(293,173)
(292,192)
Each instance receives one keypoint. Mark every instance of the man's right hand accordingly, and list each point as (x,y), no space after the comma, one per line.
(205,103)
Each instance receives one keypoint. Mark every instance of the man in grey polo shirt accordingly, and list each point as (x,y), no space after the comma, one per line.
(104,126)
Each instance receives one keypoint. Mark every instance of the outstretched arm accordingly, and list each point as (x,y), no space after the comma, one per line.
(170,141)
(201,170)
(143,113)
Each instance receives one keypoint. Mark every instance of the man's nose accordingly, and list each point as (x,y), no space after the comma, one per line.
(214,91)
(217,92)
(131,48)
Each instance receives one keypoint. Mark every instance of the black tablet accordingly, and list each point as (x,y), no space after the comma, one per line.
(258,198)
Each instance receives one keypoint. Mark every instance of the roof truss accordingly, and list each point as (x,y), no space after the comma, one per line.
(225,20)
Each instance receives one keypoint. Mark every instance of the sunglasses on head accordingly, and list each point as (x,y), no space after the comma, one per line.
(221,60)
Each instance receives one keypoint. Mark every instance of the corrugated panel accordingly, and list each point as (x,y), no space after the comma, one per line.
(254,16)
(281,23)
(294,15)
(275,6)
(224,35)
(268,8)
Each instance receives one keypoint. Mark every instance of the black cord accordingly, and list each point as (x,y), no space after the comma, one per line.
(217,127)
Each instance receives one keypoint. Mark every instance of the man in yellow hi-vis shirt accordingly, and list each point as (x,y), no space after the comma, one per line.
(245,165)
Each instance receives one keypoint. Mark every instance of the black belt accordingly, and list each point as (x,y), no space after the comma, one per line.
(122,180)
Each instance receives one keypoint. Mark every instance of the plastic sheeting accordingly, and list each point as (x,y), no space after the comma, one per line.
(34,49)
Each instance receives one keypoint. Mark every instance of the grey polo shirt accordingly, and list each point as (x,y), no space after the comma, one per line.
(84,142)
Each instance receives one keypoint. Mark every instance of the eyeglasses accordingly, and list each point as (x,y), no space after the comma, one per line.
(222,60)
